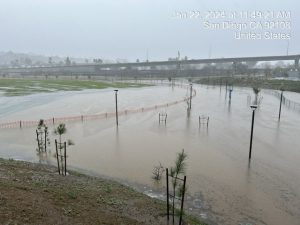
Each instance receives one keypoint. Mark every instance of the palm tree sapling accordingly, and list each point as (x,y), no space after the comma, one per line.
(42,136)
(60,130)
(256,91)
(178,169)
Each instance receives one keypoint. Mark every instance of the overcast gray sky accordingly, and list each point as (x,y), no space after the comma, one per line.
(113,29)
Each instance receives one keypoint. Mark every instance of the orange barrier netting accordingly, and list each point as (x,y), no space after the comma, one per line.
(30,123)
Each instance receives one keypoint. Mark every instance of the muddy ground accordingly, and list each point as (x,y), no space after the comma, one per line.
(36,194)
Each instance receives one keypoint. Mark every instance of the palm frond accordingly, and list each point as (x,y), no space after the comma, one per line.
(179,168)
(60,129)
(41,123)
(256,90)
(180,165)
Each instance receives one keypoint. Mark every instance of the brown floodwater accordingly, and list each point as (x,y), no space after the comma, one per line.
(223,186)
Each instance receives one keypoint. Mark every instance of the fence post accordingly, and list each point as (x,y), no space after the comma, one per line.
(182,200)
(45,139)
(20,124)
(168,206)
(65,159)
(37,137)
(57,156)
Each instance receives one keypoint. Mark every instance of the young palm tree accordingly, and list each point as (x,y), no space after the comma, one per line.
(42,135)
(178,169)
(256,90)
(60,130)
(41,123)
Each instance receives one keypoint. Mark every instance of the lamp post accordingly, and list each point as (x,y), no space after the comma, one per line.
(230,92)
(281,96)
(191,91)
(116,95)
(253,107)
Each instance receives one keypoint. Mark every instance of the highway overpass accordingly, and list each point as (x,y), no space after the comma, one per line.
(171,66)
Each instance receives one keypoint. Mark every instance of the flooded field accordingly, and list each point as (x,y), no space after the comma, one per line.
(223,186)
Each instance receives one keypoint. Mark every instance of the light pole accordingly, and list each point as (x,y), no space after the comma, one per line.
(191,91)
(116,95)
(281,96)
(253,107)
(230,92)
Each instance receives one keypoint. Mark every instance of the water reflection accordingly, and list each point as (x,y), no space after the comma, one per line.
(277,132)
(203,130)
(44,157)
(229,106)
(248,100)
(188,113)
(117,138)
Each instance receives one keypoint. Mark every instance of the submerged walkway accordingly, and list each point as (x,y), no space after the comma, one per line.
(30,123)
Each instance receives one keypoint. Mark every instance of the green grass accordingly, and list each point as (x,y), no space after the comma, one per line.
(287,85)
(19,87)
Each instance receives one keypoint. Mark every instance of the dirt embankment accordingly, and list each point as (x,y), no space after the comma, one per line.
(35,194)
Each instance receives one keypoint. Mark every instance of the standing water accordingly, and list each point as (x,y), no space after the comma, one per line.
(223,186)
